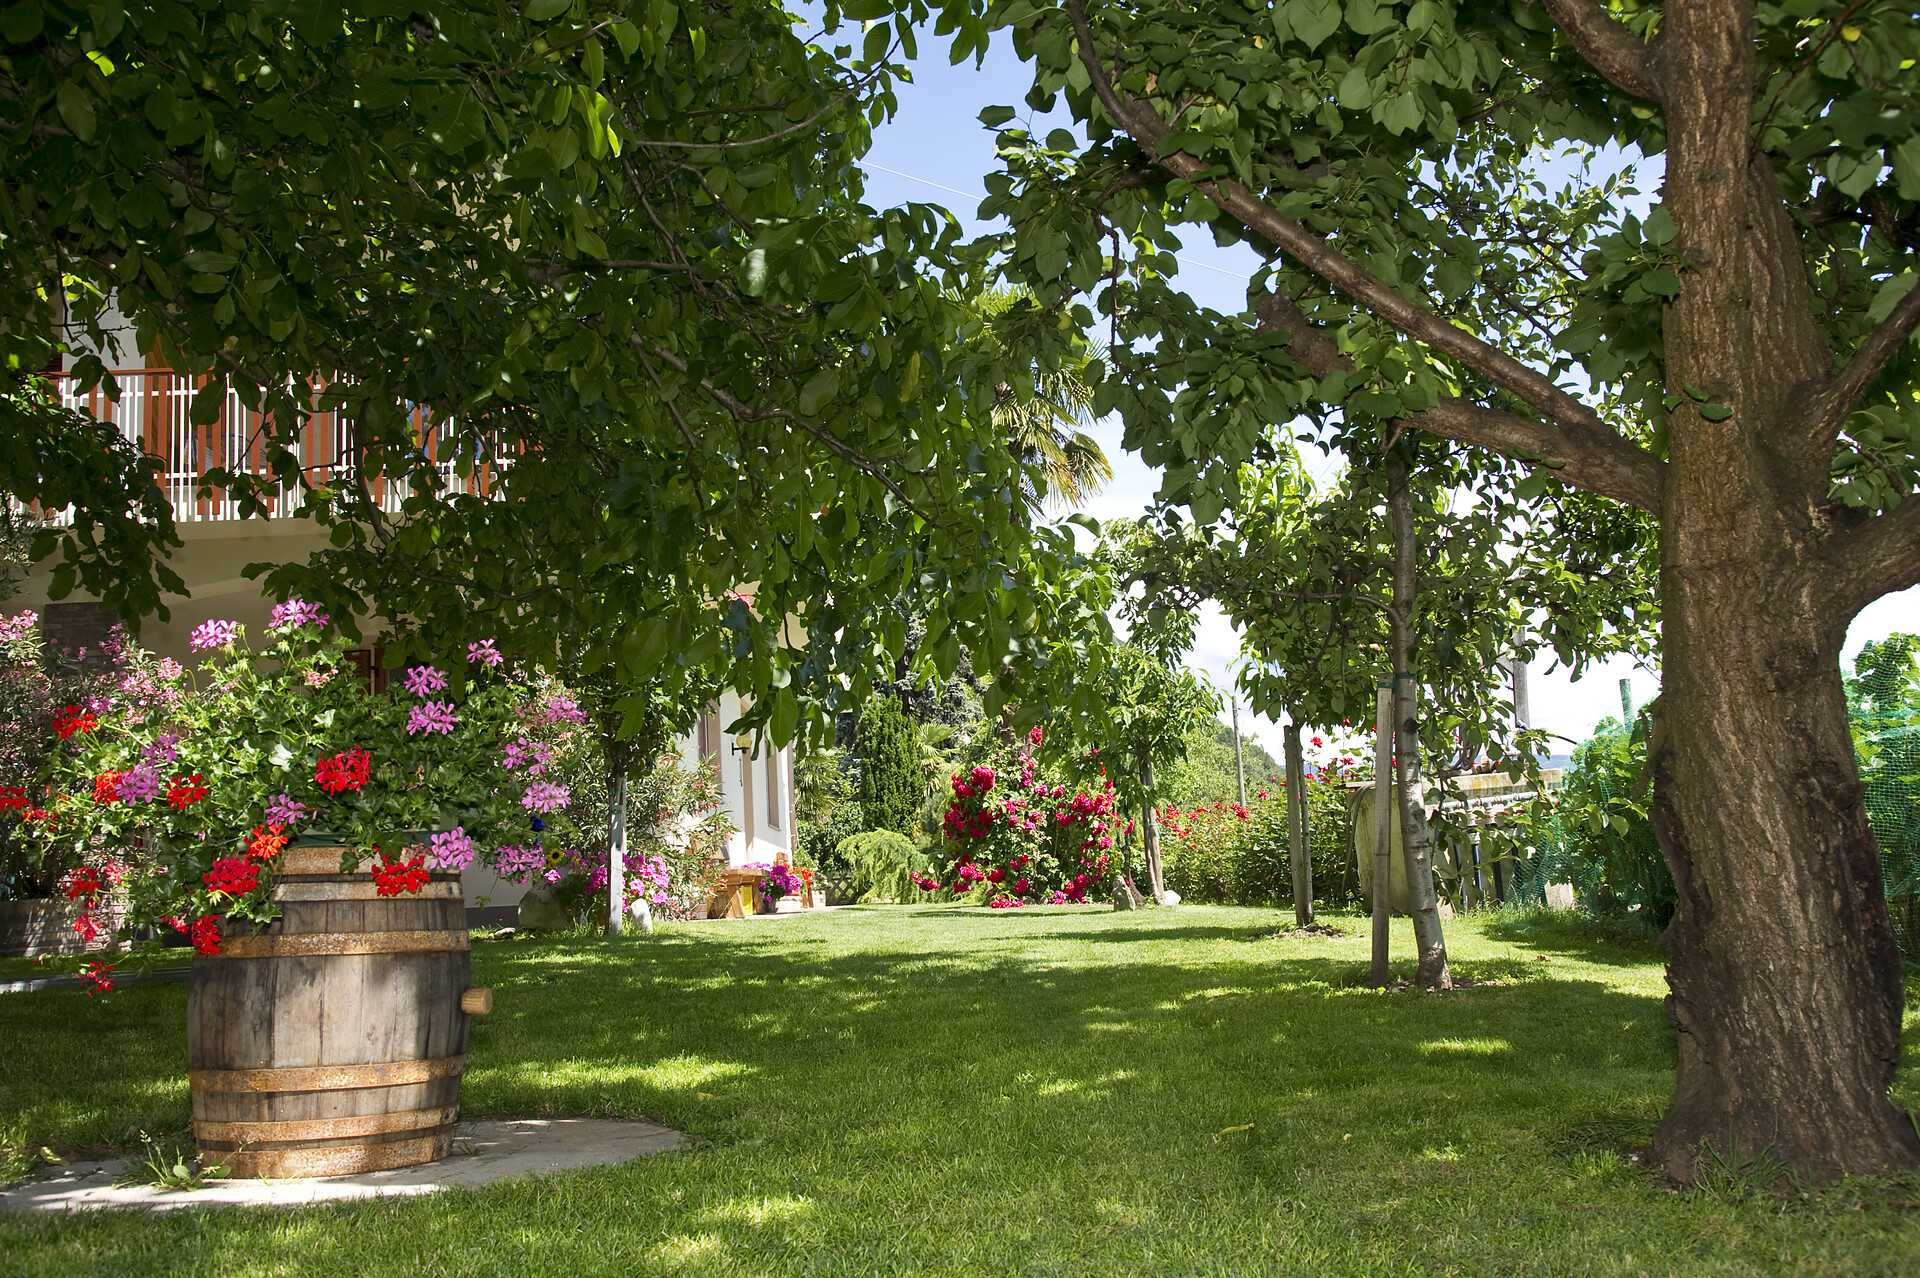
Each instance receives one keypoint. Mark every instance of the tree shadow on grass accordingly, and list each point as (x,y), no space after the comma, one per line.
(1572,935)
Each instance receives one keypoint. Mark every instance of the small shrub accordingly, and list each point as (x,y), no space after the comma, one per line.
(891,782)
(880,866)
(1213,855)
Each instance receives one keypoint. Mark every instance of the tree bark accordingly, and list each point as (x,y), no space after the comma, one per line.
(1297,845)
(1429,940)
(1382,834)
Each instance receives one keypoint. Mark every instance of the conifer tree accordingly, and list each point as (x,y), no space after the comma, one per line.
(891,783)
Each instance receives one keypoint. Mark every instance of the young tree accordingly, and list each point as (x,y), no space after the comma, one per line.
(1396,577)
(1737,364)
(1146,708)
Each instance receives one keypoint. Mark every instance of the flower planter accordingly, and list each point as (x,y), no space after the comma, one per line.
(332,1042)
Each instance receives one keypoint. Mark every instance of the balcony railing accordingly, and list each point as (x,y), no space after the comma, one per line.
(152,413)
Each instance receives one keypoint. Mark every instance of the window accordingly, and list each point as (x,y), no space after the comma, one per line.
(366,662)
(773,787)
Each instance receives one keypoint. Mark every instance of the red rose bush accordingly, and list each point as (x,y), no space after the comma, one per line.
(1013,835)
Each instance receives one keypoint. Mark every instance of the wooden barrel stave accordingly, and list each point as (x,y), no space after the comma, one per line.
(332,1041)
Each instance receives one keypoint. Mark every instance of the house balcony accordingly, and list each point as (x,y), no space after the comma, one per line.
(152,413)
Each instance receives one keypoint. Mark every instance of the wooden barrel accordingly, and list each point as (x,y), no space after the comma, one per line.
(333,1041)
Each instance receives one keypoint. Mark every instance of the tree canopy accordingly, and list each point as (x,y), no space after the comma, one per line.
(593,281)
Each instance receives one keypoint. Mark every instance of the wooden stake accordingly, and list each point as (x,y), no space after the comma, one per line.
(1382,831)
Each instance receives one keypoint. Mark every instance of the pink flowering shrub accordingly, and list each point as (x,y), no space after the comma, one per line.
(1014,835)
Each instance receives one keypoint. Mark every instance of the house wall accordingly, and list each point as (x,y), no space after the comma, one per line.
(756,785)
(212,561)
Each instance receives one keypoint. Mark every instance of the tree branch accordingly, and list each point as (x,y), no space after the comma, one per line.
(1324,260)
(1834,403)
(1609,48)
(1877,558)
(1598,460)
(742,411)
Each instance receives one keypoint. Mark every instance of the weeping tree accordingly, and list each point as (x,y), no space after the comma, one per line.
(1737,363)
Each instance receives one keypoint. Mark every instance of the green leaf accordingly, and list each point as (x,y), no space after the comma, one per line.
(1365,17)
(207,402)
(1715,412)
(542,10)
(1889,296)
(1906,167)
(785,717)
(1400,113)
(20,23)
(1312,20)
(754,275)
(820,388)
(995,116)
(1854,174)
(76,109)
(1356,91)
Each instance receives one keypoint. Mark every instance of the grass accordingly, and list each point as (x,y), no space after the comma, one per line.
(907,1090)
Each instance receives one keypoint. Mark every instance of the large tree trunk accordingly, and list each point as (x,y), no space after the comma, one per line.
(1297,846)
(1429,940)
(1786,981)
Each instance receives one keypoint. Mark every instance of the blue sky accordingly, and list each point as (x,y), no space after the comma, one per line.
(935,151)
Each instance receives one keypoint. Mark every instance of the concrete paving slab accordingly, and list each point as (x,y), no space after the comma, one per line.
(483,1153)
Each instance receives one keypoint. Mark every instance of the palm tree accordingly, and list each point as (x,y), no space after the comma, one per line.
(1047,428)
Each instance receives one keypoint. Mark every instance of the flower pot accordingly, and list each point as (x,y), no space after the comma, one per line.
(331,1042)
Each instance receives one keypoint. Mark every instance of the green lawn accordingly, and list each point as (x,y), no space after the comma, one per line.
(942,1091)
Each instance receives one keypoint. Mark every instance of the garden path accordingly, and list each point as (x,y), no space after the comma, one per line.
(483,1153)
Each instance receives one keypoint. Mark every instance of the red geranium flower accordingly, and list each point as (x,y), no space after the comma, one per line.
(74,719)
(186,790)
(97,979)
(235,876)
(13,799)
(205,934)
(342,772)
(266,841)
(106,787)
(391,878)
(82,882)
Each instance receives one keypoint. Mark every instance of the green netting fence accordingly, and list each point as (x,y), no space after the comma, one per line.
(1892,776)
(1618,869)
